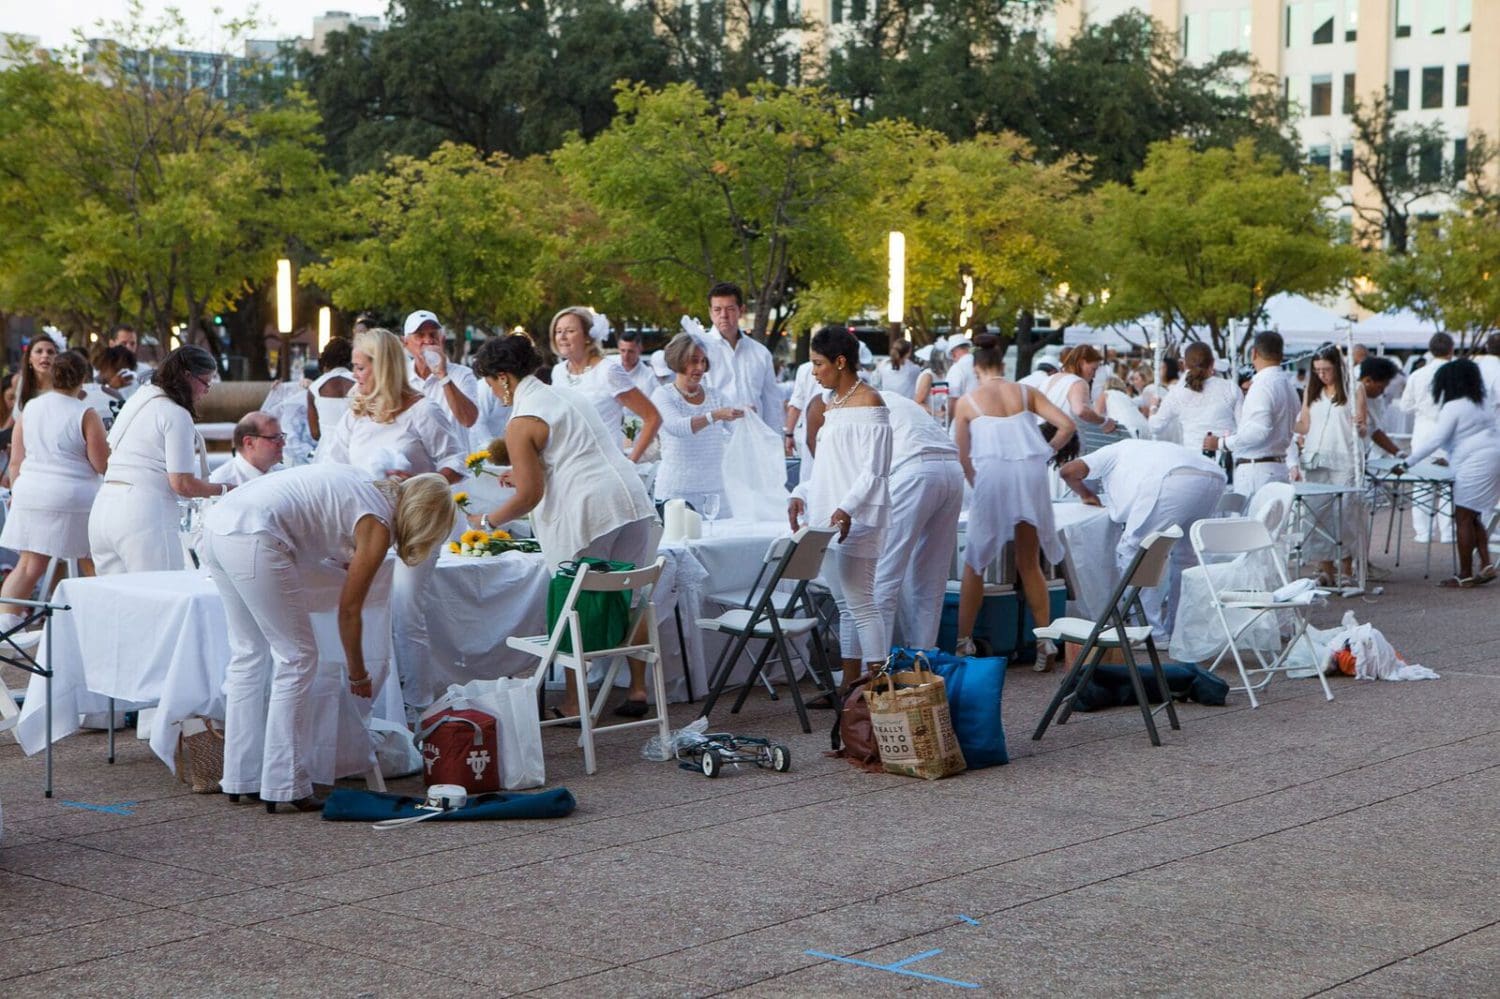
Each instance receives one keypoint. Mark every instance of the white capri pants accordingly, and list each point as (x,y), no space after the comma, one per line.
(628,543)
(133,528)
(271,643)
(1185,498)
(1253,474)
(864,630)
(411,591)
(927,497)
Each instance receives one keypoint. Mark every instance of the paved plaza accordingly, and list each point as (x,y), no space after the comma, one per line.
(1349,848)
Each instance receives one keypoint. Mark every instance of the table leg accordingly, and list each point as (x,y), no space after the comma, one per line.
(111,730)
(687,672)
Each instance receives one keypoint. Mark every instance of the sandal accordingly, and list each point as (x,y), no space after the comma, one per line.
(1486,575)
(1458,583)
(631,708)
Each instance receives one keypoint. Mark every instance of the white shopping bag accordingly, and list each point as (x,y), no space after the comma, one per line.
(755,471)
(513,703)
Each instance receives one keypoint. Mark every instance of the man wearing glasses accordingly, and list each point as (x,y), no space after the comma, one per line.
(258,443)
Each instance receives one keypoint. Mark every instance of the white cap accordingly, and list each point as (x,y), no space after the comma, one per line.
(659,364)
(923,353)
(960,342)
(417,320)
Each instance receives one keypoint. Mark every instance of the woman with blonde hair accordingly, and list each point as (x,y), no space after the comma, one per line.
(258,543)
(577,333)
(393,430)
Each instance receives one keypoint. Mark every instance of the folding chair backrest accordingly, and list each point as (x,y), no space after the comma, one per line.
(1233,536)
(595,581)
(1231,504)
(1272,505)
(809,545)
(1150,563)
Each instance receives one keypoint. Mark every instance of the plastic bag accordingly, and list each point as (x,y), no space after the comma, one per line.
(1374,659)
(755,471)
(1122,409)
(658,751)
(513,703)
(395,752)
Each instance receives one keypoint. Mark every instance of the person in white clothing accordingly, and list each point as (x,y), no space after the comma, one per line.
(1330,427)
(1263,439)
(1149,486)
(1489,371)
(36,373)
(156,456)
(1201,403)
(961,377)
(1466,429)
(1069,391)
(258,445)
(1042,373)
(1375,377)
(693,430)
(1418,400)
(748,380)
(113,384)
(569,473)
(796,432)
(630,344)
(898,373)
(57,453)
(850,492)
(393,430)
(927,497)
(1004,452)
(450,385)
(577,333)
(258,545)
(329,396)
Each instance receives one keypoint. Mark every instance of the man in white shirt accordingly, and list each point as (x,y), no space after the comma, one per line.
(125,336)
(1375,377)
(1416,399)
(1149,486)
(748,380)
(258,443)
(637,367)
(960,368)
(1489,370)
(449,384)
(795,436)
(1039,378)
(1264,437)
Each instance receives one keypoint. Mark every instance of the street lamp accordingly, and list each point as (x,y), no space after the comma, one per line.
(895,309)
(284,296)
(325,328)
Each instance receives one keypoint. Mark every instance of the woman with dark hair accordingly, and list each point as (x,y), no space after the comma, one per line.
(1467,431)
(1329,427)
(569,473)
(36,373)
(850,492)
(57,454)
(328,395)
(1068,390)
(155,457)
(1004,451)
(1201,404)
(898,373)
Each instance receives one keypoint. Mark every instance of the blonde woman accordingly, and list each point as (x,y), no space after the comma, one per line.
(258,540)
(392,430)
(576,334)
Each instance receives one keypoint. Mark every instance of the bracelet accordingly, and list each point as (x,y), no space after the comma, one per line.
(223,489)
(484,522)
(445,380)
(363,679)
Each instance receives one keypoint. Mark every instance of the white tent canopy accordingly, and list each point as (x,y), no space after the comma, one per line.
(1400,330)
(1302,323)
(1121,336)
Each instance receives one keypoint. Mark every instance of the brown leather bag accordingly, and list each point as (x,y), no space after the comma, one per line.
(853,735)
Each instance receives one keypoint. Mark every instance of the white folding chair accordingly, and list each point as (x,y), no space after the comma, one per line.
(547,648)
(1272,506)
(1114,631)
(1221,539)
(798,560)
(1231,504)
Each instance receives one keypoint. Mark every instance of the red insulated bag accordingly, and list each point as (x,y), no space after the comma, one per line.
(461,747)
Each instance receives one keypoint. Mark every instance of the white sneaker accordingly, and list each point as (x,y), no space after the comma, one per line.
(1046,650)
(23,640)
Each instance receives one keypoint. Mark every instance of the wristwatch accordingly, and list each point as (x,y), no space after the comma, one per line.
(484,523)
(445,380)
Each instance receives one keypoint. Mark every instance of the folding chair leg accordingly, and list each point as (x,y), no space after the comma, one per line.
(757,672)
(1064,690)
(1161,681)
(1140,692)
(722,669)
(111,730)
(1084,678)
(687,670)
(791,682)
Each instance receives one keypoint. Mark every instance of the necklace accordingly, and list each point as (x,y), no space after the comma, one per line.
(694,398)
(838,400)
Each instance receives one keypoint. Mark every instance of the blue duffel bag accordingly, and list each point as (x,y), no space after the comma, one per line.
(975,686)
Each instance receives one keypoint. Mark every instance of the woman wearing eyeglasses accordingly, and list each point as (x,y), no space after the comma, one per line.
(156,457)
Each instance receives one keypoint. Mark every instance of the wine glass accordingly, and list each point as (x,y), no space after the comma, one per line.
(711,507)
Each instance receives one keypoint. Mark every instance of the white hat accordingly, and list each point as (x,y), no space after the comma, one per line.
(959,343)
(924,353)
(866,359)
(659,364)
(417,320)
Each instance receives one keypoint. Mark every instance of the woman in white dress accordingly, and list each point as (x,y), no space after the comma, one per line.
(850,492)
(36,373)
(391,429)
(329,395)
(569,473)
(693,431)
(155,458)
(1004,452)
(1201,404)
(57,453)
(1329,427)
(898,373)
(258,544)
(936,370)
(582,367)
(1466,430)
(1069,389)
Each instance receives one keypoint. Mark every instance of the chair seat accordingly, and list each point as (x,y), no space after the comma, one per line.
(1078,630)
(537,645)
(735,621)
(1261,599)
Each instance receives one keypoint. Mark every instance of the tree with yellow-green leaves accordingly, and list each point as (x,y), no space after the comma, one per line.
(1452,275)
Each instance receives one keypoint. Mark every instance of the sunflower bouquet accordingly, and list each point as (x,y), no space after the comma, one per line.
(482,462)
(486,544)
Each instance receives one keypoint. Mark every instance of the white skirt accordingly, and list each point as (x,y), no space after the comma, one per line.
(1476,481)
(46,532)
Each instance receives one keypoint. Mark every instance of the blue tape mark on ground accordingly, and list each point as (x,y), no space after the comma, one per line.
(968,919)
(898,968)
(123,808)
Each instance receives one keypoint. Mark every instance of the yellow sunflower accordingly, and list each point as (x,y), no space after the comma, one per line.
(473,538)
(499,535)
(455,547)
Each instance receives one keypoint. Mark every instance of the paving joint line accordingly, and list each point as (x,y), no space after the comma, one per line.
(1399,960)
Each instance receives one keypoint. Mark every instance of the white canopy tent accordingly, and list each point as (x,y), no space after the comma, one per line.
(1121,336)
(1400,330)
(1302,323)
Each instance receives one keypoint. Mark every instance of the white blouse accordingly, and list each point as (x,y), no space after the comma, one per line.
(1213,410)
(56,474)
(312,509)
(421,436)
(602,384)
(1330,441)
(902,381)
(691,463)
(152,438)
(852,474)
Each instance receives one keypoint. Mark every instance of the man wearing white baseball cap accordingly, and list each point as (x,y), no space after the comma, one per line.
(450,385)
(961,369)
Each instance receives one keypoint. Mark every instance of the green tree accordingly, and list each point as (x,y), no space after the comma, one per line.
(449,233)
(1206,237)
(1452,275)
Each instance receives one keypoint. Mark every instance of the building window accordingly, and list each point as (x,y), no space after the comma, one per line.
(1401,90)
(1435,17)
(1432,86)
(1296,24)
(1430,162)
(1349,98)
(1461,86)
(1465,15)
(1321,104)
(1351,20)
(1346,162)
(1318,157)
(1461,158)
(1322,19)
(1400,163)
(1221,32)
(858,10)
(1403,18)
(836,11)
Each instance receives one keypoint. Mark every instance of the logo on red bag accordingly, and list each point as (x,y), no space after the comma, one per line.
(479,761)
(430,754)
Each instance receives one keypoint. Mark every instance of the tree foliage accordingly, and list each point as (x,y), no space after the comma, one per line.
(1452,275)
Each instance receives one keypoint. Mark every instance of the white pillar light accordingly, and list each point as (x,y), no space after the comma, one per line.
(325,328)
(284,295)
(896,303)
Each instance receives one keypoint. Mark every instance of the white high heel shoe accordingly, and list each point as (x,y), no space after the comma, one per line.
(1046,651)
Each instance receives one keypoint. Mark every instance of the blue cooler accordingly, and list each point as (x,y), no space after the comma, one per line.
(1004,621)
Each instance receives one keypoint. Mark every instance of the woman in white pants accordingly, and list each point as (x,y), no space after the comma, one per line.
(850,491)
(391,429)
(1149,486)
(258,542)
(927,497)
(156,457)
